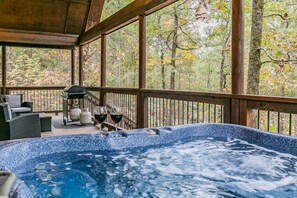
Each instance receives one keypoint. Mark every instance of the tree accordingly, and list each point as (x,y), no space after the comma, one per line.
(255,46)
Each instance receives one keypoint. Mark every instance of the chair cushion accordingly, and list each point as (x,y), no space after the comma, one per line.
(14,100)
(21,109)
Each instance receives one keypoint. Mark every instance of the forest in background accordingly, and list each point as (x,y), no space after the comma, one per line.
(188,48)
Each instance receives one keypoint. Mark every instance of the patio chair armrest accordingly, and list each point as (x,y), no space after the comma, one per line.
(28,104)
(25,126)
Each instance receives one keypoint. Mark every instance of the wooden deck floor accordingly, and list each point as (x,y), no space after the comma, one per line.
(68,131)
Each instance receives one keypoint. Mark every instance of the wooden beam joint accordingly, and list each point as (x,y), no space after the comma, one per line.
(127,15)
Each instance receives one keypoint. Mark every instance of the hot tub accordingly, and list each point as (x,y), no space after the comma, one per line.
(202,160)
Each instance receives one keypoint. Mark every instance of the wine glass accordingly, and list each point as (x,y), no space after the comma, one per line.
(100,115)
(116,116)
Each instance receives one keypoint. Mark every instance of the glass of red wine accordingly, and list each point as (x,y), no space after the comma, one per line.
(100,115)
(116,116)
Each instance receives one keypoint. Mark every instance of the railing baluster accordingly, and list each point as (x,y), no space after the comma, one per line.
(278,122)
(268,120)
(174,114)
(258,120)
(209,113)
(222,115)
(159,110)
(152,112)
(155,110)
(215,114)
(149,111)
(188,112)
(290,124)
(152,109)
(182,109)
(129,109)
(178,113)
(198,112)
(192,112)
(169,110)
(163,110)
(203,116)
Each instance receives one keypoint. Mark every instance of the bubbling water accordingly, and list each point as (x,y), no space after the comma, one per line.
(206,167)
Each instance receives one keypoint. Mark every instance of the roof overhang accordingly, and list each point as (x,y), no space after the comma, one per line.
(37,39)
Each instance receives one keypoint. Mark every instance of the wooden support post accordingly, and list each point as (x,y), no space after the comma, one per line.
(73,66)
(80,66)
(227,112)
(235,111)
(142,51)
(103,70)
(80,72)
(3,70)
(245,114)
(237,57)
(142,121)
(237,47)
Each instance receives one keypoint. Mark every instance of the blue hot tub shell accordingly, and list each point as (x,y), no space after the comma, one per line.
(15,153)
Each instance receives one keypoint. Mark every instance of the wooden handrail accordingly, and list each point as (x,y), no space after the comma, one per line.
(132,91)
(35,88)
(168,93)
(223,95)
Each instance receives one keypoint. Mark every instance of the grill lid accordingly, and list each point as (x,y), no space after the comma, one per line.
(73,92)
(74,89)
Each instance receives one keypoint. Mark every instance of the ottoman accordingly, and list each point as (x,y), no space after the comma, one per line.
(45,122)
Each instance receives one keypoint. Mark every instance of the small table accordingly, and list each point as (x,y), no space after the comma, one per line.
(45,122)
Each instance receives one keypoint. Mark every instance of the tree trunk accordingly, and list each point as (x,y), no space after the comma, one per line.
(255,46)
(208,78)
(119,58)
(162,54)
(173,50)
(223,81)
(282,122)
(163,69)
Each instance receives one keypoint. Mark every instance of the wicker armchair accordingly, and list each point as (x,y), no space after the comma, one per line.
(24,126)
(16,104)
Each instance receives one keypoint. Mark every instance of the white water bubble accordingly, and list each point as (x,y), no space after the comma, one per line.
(51,163)
(56,191)
(67,163)
(40,166)
(117,190)
(46,177)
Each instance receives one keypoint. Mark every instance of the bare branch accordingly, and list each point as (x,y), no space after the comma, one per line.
(279,15)
(274,60)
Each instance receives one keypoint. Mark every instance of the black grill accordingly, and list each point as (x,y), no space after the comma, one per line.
(73,92)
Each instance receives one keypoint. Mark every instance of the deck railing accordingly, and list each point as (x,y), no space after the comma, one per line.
(274,114)
(91,100)
(182,107)
(166,107)
(126,99)
(45,99)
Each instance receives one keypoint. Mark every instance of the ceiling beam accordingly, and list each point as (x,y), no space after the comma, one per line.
(67,16)
(95,13)
(78,2)
(123,17)
(27,38)
(86,18)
